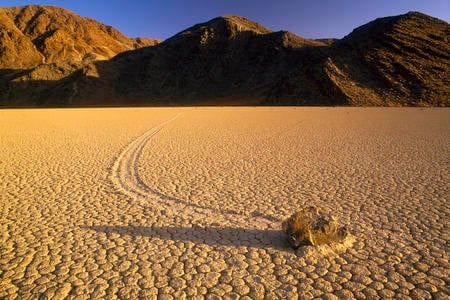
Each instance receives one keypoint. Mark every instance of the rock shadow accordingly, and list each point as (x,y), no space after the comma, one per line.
(213,236)
(255,214)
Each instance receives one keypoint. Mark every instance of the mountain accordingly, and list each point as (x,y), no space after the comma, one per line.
(225,59)
(32,35)
(43,45)
(404,60)
(230,60)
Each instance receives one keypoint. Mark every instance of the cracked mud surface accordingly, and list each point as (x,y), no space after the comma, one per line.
(187,203)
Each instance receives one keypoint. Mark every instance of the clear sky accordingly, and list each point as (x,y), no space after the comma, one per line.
(307,18)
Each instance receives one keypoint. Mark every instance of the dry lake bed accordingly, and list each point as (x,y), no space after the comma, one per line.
(163,203)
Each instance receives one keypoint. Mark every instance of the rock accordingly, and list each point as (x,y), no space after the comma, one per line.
(310,226)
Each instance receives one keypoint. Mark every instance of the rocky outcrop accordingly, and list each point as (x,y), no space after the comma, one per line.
(393,61)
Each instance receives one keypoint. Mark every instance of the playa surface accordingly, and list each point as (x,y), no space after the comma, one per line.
(188,202)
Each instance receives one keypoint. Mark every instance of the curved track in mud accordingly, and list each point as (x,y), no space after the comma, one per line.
(125,177)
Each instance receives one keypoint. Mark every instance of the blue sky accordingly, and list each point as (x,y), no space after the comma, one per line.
(307,18)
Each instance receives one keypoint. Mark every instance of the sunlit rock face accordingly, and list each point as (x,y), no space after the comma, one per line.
(36,34)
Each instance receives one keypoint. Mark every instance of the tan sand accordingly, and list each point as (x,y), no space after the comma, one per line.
(129,203)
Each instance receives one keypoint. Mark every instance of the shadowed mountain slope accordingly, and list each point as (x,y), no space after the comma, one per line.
(221,60)
(230,60)
(405,59)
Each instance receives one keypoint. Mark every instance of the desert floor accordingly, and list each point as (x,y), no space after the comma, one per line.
(182,202)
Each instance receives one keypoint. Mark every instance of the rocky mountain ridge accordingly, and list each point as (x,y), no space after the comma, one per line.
(34,35)
(231,60)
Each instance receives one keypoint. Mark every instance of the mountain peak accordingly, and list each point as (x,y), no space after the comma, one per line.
(222,28)
(244,24)
(410,22)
